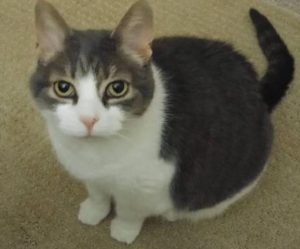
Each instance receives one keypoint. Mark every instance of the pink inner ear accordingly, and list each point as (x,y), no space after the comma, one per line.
(52,41)
(51,36)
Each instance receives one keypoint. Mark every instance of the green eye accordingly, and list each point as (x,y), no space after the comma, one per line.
(117,89)
(63,89)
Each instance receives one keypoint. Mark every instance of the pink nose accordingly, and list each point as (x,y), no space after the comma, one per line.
(88,121)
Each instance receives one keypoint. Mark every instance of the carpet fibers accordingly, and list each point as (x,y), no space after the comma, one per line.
(39,201)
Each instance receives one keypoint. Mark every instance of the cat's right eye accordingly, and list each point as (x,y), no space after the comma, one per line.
(64,89)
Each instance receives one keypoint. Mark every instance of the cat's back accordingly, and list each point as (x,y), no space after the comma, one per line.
(192,57)
(207,77)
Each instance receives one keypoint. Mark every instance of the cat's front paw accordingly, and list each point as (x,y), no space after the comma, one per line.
(91,213)
(124,231)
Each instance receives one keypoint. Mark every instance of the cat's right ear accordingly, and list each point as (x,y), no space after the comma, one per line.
(51,30)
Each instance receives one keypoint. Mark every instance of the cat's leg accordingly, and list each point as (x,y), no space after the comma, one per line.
(127,224)
(96,207)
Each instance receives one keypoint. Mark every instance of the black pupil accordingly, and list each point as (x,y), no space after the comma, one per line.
(118,87)
(63,86)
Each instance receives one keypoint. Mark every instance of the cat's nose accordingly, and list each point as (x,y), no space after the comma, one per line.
(89,122)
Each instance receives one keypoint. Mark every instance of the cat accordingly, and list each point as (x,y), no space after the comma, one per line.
(177,127)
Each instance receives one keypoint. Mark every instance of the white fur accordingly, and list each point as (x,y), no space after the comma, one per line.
(121,161)
(91,213)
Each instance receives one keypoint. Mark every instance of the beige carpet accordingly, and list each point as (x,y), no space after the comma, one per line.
(293,5)
(39,202)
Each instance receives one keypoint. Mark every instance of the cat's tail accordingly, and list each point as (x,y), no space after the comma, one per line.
(280,70)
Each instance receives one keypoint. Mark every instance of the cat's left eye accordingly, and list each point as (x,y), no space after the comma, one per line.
(63,89)
(117,89)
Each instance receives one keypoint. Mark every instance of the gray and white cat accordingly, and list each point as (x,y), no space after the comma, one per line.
(177,127)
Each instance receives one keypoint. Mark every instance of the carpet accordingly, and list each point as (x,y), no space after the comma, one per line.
(293,5)
(39,201)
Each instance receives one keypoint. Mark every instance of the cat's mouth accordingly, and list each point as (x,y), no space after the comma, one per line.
(91,136)
(85,134)
(88,137)
(82,136)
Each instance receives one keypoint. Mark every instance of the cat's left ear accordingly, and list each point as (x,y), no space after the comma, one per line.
(134,33)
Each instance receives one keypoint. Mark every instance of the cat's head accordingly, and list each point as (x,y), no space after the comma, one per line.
(88,83)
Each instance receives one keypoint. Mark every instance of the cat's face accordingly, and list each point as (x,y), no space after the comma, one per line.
(88,83)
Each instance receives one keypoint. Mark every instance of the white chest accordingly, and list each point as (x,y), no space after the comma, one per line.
(115,157)
(121,168)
